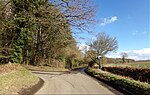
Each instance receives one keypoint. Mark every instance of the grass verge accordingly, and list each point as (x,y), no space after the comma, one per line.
(16,80)
(124,84)
(44,68)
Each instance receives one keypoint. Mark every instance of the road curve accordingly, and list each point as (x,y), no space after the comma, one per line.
(75,82)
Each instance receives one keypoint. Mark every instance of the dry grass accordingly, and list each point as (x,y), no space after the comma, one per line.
(44,68)
(7,68)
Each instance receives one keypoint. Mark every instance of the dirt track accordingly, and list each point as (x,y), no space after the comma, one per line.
(75,82)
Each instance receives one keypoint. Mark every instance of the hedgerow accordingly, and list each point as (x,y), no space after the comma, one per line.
(140,74)
(123,83)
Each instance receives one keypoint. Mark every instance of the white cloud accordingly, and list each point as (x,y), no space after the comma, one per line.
(139,33)
(113,55)
(142,54)
(105,21)
(83,47)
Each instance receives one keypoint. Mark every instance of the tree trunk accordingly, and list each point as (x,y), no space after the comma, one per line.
(100,64)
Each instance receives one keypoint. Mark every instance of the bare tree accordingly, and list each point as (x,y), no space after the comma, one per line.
(79,13)
(103,45)
(124,56)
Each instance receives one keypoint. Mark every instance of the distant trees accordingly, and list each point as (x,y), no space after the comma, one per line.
(39,31)
(124,56)
(119,60)
(103,45)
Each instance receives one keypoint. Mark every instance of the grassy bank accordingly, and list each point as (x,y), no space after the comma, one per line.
(125,84)
(7,68)
(44,68)
(16,79)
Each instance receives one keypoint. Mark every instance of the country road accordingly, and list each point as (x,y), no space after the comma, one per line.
(75,82)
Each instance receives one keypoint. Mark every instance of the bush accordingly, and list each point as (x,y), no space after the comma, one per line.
(123,83)
(91,64)
(141,74)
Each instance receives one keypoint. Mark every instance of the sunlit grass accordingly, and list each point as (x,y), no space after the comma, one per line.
(14,81)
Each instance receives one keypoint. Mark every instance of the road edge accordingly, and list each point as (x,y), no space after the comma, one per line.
(117,90)
(33,89)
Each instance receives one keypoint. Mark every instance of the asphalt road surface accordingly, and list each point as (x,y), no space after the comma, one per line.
(75,82)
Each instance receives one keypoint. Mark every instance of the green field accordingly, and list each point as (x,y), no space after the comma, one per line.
(135,64)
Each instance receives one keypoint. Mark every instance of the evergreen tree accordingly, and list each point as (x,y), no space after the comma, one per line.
(24,21)
(36,30)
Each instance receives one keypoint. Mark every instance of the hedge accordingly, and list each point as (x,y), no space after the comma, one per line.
(141,74)
(128,85)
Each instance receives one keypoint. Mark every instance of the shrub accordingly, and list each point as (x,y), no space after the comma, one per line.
(91,64)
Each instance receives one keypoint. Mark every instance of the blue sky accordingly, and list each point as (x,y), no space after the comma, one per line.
(127,20)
